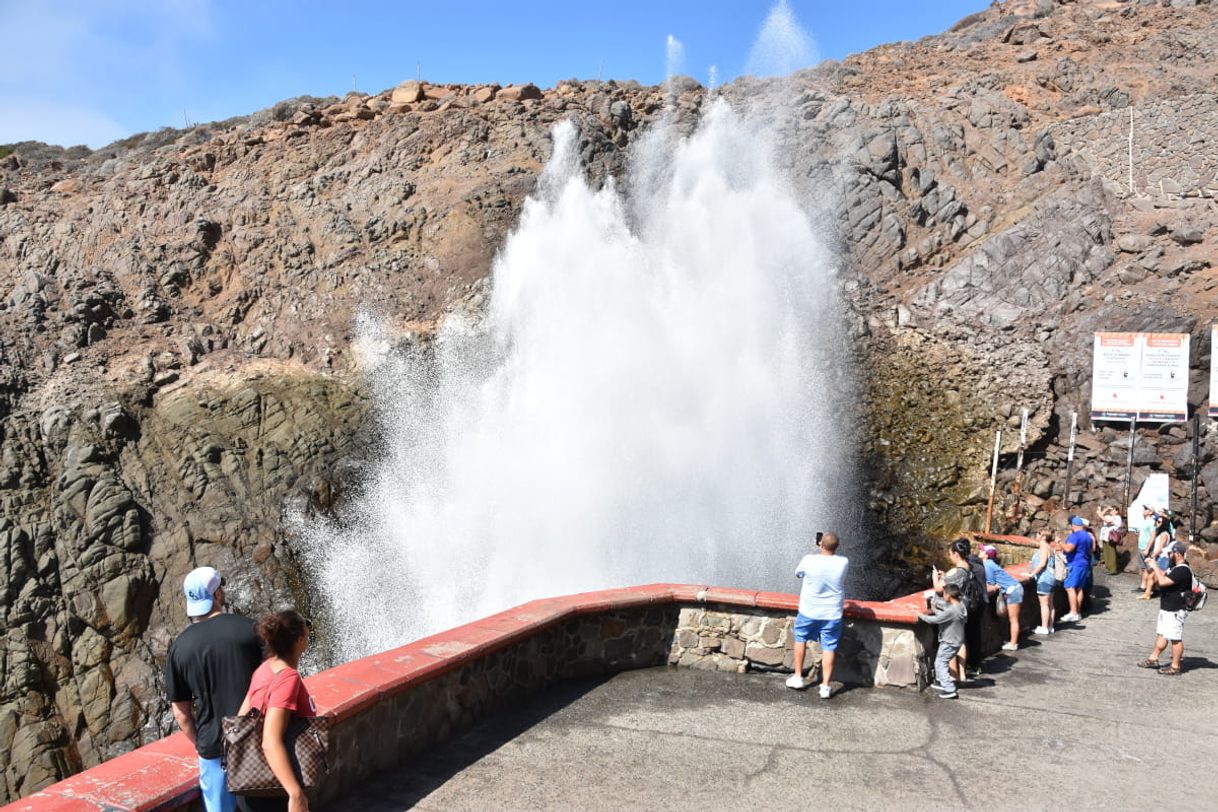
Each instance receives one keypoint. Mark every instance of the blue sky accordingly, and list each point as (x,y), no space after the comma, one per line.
(91,71)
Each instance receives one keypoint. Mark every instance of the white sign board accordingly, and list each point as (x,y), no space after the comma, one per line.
(1140,376)
(1155,493)
(1213,370)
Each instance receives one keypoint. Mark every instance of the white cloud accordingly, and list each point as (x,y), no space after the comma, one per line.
(75,69)
(62,124)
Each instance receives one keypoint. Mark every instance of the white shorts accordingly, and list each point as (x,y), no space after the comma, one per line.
(1171,625)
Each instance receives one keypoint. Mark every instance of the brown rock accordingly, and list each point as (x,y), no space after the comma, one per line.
(484,94)
(519,92)
(407,92)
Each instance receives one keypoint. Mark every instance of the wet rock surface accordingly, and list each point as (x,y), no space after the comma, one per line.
(177,310)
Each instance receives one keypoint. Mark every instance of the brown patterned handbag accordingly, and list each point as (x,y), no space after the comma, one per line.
(308,746)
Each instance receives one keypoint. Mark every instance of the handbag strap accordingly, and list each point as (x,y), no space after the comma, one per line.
(266,699)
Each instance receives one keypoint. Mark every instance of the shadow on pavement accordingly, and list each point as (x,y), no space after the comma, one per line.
(406,785)
(1189,663)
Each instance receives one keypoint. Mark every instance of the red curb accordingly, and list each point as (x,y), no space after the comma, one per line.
(44,801)
(903,610)
(392,670)
(337,693)
(175,746)
(1018,541)
(138,780)
(778,600)
(735,597)
(688,593)
(460,645)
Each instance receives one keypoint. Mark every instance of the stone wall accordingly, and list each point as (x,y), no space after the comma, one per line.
(723,638)
(390,706)
(1171,155)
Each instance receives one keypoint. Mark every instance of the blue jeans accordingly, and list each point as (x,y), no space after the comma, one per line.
(214,788)
(947,652)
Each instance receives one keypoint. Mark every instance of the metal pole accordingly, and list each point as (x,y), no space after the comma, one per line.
(1023,444)
(1192,513)
(1070,457)
(1131,150)
(1133,437)
(989,508)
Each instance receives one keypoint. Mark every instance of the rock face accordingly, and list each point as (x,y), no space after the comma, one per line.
(177,310)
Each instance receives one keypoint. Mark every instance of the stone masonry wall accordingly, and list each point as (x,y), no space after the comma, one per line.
(1173,153)
(725,638)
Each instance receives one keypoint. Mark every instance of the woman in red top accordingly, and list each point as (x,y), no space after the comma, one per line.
(277,690)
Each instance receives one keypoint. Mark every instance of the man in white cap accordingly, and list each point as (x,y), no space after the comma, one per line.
(207,673)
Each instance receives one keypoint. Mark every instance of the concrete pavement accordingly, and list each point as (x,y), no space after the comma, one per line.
(1065,721)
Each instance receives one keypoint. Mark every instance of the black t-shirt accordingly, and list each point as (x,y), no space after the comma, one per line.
(1171,598)
(211,663)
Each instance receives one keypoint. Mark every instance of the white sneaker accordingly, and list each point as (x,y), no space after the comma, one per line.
(797,682)
(1010,647)
(939,687)
(1070,618)
(1052,630)
(825,690)
(1042,630)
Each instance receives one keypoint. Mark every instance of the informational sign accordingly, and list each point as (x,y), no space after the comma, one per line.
(1140,376)
(1213,370)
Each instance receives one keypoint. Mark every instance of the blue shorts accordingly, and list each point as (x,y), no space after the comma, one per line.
(1015,595)
(214,787)
(829,632)
(1046,583)
(1164,562)
(1076,577)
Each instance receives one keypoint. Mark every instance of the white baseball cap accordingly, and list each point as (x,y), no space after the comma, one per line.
(200,586)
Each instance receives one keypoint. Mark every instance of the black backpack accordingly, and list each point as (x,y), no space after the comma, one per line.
(972,593)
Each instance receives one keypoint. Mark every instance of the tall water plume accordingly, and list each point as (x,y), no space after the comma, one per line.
(657,391)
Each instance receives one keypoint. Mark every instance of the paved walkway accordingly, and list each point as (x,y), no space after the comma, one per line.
(1065,722)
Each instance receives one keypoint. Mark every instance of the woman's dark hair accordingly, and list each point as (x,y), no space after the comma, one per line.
(279,631)
(961,548)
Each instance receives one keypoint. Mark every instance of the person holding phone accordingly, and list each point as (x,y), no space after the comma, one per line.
(821,603)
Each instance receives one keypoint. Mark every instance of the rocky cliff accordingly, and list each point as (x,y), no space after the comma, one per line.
(176,310)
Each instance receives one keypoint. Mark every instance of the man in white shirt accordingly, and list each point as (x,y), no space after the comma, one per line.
(820,609)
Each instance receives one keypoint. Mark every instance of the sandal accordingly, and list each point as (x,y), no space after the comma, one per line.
(1148,663)
(1170,671)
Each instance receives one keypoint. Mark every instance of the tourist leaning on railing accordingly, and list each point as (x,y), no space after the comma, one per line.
(949,615)
(1000,583)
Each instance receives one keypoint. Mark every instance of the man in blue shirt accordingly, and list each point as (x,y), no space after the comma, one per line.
(1077,547)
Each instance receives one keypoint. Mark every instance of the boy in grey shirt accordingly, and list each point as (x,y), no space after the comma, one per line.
(949,616)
